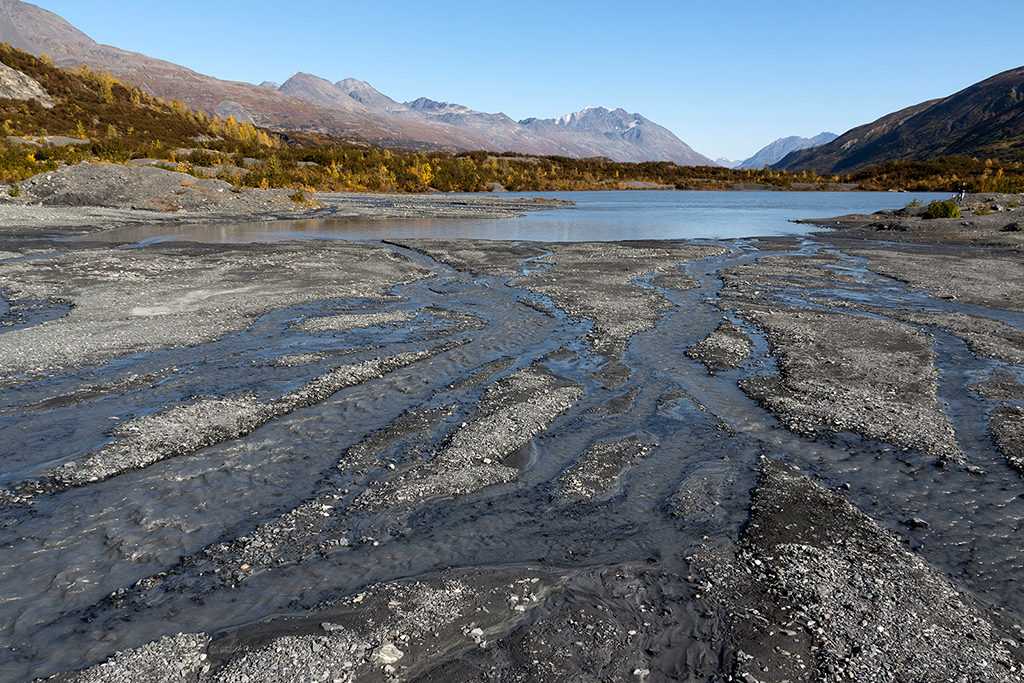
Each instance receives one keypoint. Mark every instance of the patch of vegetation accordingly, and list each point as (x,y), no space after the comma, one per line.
(117,123)
(300,197)
(942,209)
(944,174)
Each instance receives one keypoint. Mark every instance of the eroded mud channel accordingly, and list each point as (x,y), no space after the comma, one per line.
(440,460)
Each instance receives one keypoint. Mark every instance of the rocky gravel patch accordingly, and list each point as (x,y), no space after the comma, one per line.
(842,372)
(820,592)
(352,321)
(726,347)
(992,279)
(598,470)
(1002,386)
(172,658)
(171,295)
(1007,429)
(511,413)
(984,336)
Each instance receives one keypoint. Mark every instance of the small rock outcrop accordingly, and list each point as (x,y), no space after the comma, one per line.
(15,85)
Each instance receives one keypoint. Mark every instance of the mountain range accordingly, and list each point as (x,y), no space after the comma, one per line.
(595,131)
(985,120)
(349,109)
(776,151)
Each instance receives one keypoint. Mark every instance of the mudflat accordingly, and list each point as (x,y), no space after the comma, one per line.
(787,459)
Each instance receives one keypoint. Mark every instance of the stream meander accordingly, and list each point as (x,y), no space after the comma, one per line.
(313,504)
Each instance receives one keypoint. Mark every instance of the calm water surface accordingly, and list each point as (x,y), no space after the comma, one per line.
(602,216)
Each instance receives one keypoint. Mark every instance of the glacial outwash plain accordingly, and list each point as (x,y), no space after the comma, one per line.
(775,459)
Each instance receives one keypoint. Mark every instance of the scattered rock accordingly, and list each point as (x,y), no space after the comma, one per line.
(725,348)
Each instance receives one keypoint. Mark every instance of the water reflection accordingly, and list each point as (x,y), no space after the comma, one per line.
(597,216)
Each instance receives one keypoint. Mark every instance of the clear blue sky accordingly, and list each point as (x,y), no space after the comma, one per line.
(726,77)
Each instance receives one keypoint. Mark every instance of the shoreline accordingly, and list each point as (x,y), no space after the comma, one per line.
(179,395)
(988,220)
(88,198)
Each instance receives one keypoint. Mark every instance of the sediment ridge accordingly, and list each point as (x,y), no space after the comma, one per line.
(786,459)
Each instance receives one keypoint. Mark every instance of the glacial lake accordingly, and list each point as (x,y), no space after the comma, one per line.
(597,216)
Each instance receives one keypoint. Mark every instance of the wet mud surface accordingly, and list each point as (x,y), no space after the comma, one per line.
(437,460)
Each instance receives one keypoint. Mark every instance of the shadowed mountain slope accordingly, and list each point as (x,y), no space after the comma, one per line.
(985,120)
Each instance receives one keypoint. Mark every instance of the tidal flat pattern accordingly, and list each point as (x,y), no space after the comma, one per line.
(433,460)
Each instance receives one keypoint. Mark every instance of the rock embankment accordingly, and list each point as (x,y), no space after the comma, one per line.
(14,85)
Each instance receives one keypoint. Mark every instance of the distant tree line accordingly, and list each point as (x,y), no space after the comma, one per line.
(116,123)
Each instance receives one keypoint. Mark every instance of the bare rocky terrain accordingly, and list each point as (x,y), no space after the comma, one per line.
(988,220)
(92,197)
(795,459)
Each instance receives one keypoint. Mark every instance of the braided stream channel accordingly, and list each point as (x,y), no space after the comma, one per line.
(495,459)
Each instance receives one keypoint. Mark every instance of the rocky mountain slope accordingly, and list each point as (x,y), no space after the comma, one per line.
(595,131)
(777,150)
(349,108)
(985,120)
(38,31)
(617,134)
(14,85)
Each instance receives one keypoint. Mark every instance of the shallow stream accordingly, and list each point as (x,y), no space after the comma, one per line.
(65,554)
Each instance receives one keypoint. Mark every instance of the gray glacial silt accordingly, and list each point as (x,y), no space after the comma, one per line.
(437,460)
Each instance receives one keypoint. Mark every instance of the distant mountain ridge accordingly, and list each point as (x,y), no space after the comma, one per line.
(985,120)
(776,151)
(594,131)
(349,108)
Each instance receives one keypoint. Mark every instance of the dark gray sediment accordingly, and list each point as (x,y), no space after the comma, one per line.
(818,591)
(437,460)
(727,347)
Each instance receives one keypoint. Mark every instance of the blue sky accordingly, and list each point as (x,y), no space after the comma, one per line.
(727,78)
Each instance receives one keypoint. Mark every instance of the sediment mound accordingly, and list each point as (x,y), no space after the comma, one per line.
(146,188)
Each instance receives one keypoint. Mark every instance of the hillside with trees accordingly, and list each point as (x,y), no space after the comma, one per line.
(985,121)
(91,116)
